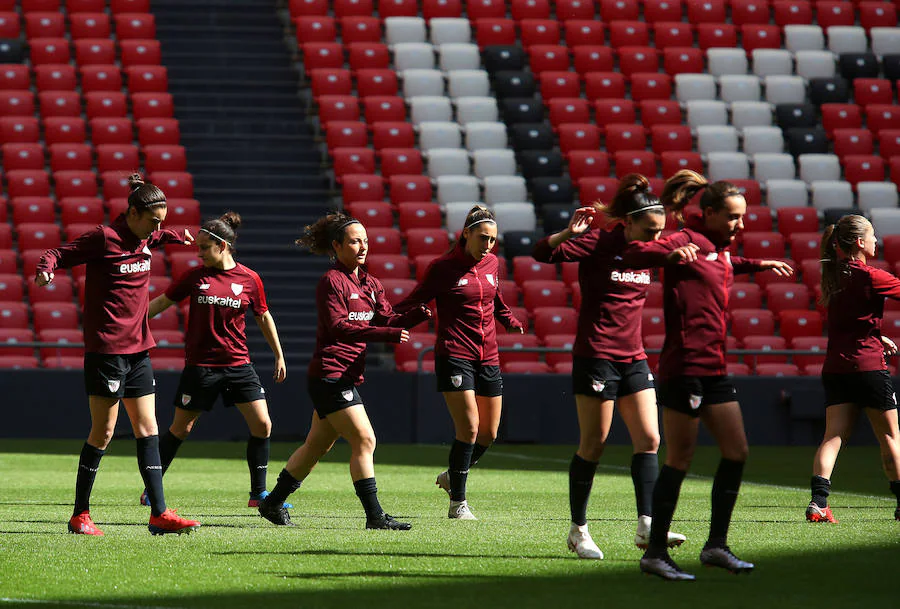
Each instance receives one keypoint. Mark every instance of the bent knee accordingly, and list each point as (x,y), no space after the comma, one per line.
(646,444)
(364,443)
(591,449)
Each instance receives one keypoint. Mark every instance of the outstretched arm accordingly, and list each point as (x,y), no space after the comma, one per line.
(266,323)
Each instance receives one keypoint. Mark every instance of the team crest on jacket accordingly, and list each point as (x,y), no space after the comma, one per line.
(185,399)
(597,385)
(347,395)
(236,288)
(456,380)
(113,385)
(462,282)
(490,278)
(694,401)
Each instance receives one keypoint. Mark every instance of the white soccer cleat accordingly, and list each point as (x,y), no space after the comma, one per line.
(443,481)
(642,537)
(580,542)
(459,510)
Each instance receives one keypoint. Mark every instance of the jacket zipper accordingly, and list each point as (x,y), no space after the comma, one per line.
(480,310)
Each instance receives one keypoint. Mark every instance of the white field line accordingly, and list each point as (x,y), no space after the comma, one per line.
(621,468)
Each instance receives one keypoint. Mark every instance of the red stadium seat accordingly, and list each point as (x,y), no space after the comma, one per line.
(654,296)
(628,34)
(336,108)
(635,161)
(604,85)
(89,25)
(158,132)
(805,245)
(651,86)
(682,60)
(588,164)
(9,337)
(567,10)
(889,143)
(393,8)
(755,36)
(585,33)
(672,34)
(385,240)
(829,14)
(744,295)
(16,104)
(81,210)
(659,112)
(176,185)
(129,6)
(13,315)
(597,189)
(406,354)
(376,214)
(49,51)
(168,337)
(752,322)
(882,116)
(23,156)
(362,29)
(706,11)
(758,219)
(765,278)
(529,9)
(8,262)
(6,239)
(777,369)
(608,111)
(410,189)
(783,296)
(11,289)
(574,136)
(108,104)
(100,78)
(183,212)
(638,59)
(418,215)
(544,293)
(71,157)
(559,85)
(300,8)
(182,262)
(135,26)
(792,12)
(662,10)
(111,131)
(373,80)
(54,315)
(539,31)
(476,11)
(763,245)
(64,130)
(495,31)
(548,57)
(673,162)
(140,53)
(148,79)
(27,210)
(671,138)
(891,249)
(853,142)
(400,161)
(60,290)
(362,187)
(809,343)
(872,91)
(384,108)
(52,77)
(525,268)
(393,135)
(118,157)
(315,28)
(164,158)
(14,77)
(353,161)
(421,264)
(559,341)
(863,168)
(9,23)
(167,320)
(617,10)
(625,137)
(796,323)
(568,110)
(652,322)
(95,51)
(388,266)
(877,14)
(396,290)
(519,343)
(426,241)
(764,343)
(812,273)
(837,116)
(749,11)
(60,103)
(330,82)
(322,55)
(75,184)
(554,320)
(716,35)
(27,183)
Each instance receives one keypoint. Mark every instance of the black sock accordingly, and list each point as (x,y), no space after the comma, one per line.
(285,485)
(477,452)
(169,444)
(152,472)
(665,498)
(581,479)
(644,470)
(895,488)
(258,462)
(88,463)
(368,496)
(458,470)
(821,488)
(725,489)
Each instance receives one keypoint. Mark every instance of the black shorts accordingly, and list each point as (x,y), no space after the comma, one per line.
(608,380)
(870,389)
(454,374)
(331,395)
(118,376)
(200,386)
(690,394)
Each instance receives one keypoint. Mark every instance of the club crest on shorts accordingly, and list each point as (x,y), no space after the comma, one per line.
(185,399)
(597,385)
(650,377)
(456,380)
(347,395)
(236,288)
(694,401)
(113,385)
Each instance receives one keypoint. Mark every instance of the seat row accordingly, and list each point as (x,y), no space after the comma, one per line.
(65,77)
(56,24)
(151,131)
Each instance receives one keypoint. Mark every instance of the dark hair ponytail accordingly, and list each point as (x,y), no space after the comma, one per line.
(838,242)
(633,198)
(144,195)
(318,236)
(682,187)
(224,228)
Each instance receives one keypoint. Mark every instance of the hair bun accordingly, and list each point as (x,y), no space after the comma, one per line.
(135,180)
(232,219)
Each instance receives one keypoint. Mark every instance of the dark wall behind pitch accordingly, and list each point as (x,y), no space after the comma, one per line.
(405,408)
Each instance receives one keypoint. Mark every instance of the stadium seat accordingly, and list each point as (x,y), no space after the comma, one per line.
(27,155)
(100,78)
(797,220)
(149,79)
(71,157)
(554,320)
(135,26)
(111,131)
(9,337)
(764,343)
(54,315)
(75,183)
(495,32)
(525,268)
(89,25)
(877,14)
(139,53)
(752,322)
(745,295)
(60,290)
(27,183)
(90,51)
(518,345)
(809,343)
(544,293)
(16,104)
(794,323)
(26,210)
(108,104)
(783,296)
(863,168)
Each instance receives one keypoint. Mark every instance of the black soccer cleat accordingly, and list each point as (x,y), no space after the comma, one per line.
(897,513)
(721,556)
(276,514)
(387,522)
(663,566)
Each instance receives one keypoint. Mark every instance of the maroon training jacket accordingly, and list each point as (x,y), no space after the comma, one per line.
(609,321)
(468,298)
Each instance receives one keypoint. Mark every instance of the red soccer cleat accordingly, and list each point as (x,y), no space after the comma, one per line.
(170,522)
(83,525)
(816,514)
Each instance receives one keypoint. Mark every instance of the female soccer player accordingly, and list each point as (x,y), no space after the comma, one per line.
(465,284)
(692,370)
(855,374)
(117,341)
(352,311)
(217,361)
(609,366)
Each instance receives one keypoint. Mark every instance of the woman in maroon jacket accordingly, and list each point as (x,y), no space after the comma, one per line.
(693,379)
(465,285)
(352,311)
(609,366)
(117,341)
(855,373)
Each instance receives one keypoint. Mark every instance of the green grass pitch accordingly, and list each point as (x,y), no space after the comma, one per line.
(513,556)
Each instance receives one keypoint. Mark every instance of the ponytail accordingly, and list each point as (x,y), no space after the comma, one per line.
(632,199)
(682,187)
(318,236)
(838,243)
